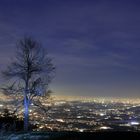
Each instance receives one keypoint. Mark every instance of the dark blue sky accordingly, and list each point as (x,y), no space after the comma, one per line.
(95,43)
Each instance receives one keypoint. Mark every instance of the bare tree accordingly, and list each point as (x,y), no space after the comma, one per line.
(29,75)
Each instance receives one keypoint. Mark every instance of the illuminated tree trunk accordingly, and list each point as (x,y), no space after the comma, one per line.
(26,108)
(26,114)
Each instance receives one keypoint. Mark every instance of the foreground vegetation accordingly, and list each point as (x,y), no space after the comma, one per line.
(70,136)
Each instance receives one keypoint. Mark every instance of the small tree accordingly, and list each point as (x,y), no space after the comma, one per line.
(29,74)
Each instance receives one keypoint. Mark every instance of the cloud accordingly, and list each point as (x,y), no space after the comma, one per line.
(92,42)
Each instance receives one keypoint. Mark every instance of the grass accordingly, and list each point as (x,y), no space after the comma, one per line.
(70,136)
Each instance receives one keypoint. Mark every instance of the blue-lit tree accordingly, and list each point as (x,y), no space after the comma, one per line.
(30,74)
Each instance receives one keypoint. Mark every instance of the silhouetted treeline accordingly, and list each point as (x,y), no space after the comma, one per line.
(10,122)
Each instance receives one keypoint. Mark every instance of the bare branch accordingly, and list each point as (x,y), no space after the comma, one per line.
(30,73)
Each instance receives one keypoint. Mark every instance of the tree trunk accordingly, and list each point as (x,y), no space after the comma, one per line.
(26,107)
(26,114)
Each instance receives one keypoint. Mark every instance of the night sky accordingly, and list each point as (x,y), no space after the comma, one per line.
(95,44)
